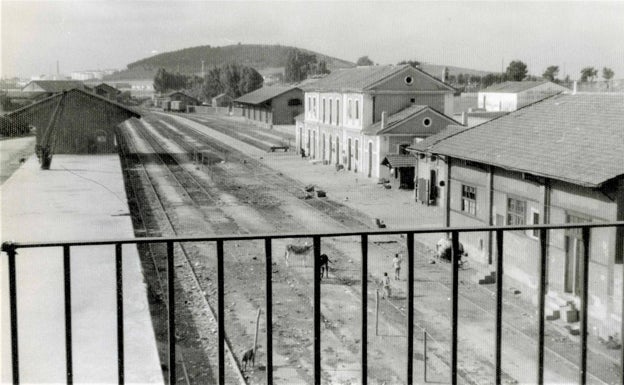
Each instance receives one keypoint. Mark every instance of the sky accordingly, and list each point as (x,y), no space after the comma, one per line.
(84,35)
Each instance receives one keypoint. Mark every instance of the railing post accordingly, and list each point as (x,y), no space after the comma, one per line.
(364,326)
(269,310)
(584,305)
(541,305)
(171,317)
(454,303)
(11,250)
(120,314)
(410,308)
(221,312)
(317,310)
(499,305)
(68,315)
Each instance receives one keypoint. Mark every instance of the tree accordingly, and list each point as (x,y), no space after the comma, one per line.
(298,65)
(250,80)
(516,71)
(551,73)
(212,83)
(607,75)
(321,68)
(588,74)
(364,61)
(413,63)
(490,79)
(165,81)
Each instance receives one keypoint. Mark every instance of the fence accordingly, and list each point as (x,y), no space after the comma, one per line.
(11,248)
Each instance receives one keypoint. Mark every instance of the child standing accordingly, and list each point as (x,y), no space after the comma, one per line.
(387,291)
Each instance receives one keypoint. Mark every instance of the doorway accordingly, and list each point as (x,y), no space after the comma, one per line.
(575,249)
(331,148)
(370,159)
(323,148)
(337,150)
(349,154)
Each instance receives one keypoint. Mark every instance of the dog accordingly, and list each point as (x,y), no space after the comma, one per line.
(325,261)
(249,357)
(296,249)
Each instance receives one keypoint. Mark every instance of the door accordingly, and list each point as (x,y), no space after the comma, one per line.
(331,147)
(357,155)
(574,252)
(433,183)
(300,137)
(314,145)
(370,159)
(337,150)
(323,148)
(349,154)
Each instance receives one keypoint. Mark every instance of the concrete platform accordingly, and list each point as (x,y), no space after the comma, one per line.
(81,197)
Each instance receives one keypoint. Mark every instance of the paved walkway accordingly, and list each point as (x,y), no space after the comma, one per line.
(11,151)
(81,197)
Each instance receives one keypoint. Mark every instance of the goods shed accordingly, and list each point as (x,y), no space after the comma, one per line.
(74,122)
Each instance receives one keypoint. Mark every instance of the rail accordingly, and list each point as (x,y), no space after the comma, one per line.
(10,248)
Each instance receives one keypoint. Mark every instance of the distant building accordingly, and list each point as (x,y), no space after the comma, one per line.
(86,123)
(222,100)
(52,85)
(272,104)
(560,160)
(509,96)
(356,117)
(106,90)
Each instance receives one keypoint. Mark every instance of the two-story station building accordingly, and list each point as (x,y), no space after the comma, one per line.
(355,117)
(560,160)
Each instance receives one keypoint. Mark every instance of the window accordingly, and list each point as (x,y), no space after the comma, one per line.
(357,109)
(516,212)
(409,80)
(535,220)
(309,106)
(469,199)
(337,112)
(330,111)
(314,108)
(426,122)
(349,112)
(323,110)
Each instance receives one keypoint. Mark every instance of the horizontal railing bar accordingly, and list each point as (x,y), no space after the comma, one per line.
(242,237)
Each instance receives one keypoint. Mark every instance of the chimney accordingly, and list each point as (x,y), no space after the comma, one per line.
(464,118)
(383,119)
(574,88)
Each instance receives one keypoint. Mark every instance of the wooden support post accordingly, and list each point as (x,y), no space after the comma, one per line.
(424,356)
(256,335)
(376,312)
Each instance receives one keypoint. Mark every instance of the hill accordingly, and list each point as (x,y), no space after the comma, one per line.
(436,70)
(266,59)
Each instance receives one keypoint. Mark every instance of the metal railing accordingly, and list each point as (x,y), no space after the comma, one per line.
(10,248)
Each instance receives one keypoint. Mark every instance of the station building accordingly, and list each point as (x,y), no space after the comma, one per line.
(355,117)
(560,160)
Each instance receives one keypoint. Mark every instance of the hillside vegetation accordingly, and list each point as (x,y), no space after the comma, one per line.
(188,60)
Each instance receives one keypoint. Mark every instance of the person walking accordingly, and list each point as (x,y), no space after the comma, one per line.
(385,282)
(396,263)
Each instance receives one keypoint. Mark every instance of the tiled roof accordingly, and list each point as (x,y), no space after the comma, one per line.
(429,141)
(400,117)
(514,87)
(575,138)
(263,94)
(34,106)
(400,160)
(57,85)
(361,78)
(394,119)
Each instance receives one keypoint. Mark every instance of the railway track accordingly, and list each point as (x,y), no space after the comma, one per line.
(180,250)
(329,206)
